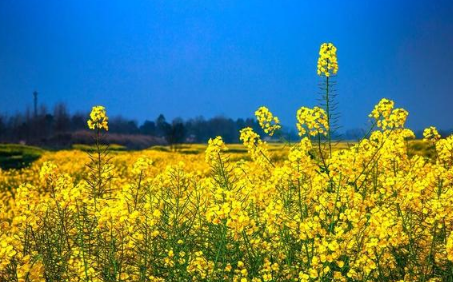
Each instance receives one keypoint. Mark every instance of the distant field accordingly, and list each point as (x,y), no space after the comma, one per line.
(14,156)
(415,147)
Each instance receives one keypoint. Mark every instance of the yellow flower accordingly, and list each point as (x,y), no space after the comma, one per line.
(268,122)
(141,165)
(47,171)
(255,146)
(431,134)
(98,119)
(449,247)
(327,61)
(312,121)
(387,117)
(214,149)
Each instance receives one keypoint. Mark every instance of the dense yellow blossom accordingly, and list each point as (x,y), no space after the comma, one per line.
(268,122)
(449,247)
(431,134)
(387,117)
(214,149)
(256,147)
(327,61)
(98,118)
(312,121)
(376,214)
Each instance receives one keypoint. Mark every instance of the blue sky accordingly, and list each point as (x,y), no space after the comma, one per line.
(189,58)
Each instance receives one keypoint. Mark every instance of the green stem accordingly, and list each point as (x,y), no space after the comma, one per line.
(329,137)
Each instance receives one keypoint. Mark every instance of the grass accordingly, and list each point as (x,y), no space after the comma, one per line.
(92,148)
(160,148)
(15,156)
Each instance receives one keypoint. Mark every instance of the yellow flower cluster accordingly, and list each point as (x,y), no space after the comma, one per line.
(268,122)
(387,117)
(141,165)
(199,267)
(215,147)
(312,121)
(47,172)
(327,61)
(256,147)
(431,134)
(444,150)
(449,247)
(98,119)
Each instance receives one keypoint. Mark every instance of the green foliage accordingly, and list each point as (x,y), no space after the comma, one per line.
(422,148)
(92,148)
(160,148)
(14,156)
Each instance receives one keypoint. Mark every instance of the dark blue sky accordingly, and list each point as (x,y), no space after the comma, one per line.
(209,57)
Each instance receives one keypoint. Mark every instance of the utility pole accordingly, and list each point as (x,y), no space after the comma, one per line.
(35,96)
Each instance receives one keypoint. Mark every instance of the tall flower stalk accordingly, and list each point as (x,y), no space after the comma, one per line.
(98,122)
(327,69)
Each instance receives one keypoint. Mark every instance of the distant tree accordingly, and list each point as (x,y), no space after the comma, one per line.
(43,124)
(240,123)
(47,120)
(2,127)
(61,118)
(27,126)
(45,129)
(78,121)
(175,134)
(197,128)
(132,127)
(162,126)
(148,128)
(221,126)
(121,125)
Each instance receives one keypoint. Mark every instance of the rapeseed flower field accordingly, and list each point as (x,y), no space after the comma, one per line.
(307,211)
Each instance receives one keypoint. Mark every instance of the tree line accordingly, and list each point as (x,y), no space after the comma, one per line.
(59,128)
